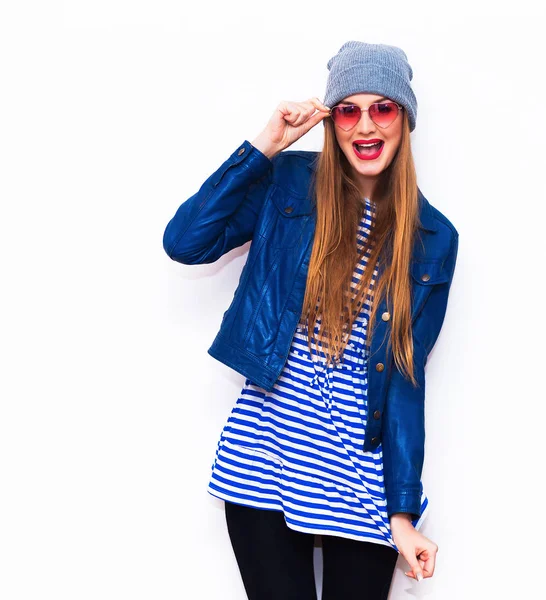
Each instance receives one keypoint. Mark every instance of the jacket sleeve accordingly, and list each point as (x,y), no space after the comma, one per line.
(403,439)
(222,215)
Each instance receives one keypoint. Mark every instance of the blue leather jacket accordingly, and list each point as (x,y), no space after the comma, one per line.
(251,197)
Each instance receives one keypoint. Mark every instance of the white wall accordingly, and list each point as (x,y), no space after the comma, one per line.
(111,406)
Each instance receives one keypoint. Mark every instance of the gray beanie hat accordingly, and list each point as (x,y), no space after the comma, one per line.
(371,68)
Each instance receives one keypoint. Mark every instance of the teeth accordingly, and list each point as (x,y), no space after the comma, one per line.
(368,145)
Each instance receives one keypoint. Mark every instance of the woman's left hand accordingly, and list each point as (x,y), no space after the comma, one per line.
(418,550)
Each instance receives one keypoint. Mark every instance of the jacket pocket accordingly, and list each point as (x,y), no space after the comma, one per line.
(425,275)
(291,214)
(429,272)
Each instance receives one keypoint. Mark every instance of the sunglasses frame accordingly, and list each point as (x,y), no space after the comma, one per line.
(400,108)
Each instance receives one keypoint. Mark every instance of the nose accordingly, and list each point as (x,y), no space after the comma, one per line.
(365,125)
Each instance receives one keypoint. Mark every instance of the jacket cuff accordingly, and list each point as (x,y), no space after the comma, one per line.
(260,156)
(405,501)
(256,160)
(253,160)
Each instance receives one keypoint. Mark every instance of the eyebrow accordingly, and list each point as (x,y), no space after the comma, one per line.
(380,100)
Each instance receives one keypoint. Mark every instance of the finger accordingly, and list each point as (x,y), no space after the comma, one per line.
(415,567)
(312,121)
(306,111)
(314,105)
(427,559)
(290,111)
(297,113)
(430,563)
(319,105)
(291,117)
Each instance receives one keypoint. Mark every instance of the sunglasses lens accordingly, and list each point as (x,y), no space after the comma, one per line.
(384,113)
(346,117)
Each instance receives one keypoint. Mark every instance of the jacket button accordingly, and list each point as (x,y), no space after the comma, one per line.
(379,366)
(288,209)
(376,414)
(425,277)
(375,441)
(385,316)
(241,151)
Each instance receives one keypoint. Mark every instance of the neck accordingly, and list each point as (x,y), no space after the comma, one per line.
(367,186)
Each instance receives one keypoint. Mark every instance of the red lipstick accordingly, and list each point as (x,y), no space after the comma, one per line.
(373,141)
(368,153)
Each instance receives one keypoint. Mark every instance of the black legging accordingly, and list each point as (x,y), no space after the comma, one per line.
(276,562)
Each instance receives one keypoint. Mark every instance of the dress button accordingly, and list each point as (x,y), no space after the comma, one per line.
(379,366)
(241,151)
(375,441)
(376,414)
(425,277)
(385,316)
(288,209)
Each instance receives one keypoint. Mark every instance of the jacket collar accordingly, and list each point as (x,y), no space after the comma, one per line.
(426,217)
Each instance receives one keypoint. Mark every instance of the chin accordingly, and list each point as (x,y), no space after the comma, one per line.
(370,169)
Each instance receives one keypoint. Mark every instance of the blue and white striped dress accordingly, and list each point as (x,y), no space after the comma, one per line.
(298,448)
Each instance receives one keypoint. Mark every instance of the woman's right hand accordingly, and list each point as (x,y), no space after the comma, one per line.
(289,122)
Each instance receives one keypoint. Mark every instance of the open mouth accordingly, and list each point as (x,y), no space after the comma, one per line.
(368,151)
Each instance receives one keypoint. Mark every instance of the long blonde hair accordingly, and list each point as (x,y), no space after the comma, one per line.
(335,253)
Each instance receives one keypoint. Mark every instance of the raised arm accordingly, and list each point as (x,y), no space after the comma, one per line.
(222,215)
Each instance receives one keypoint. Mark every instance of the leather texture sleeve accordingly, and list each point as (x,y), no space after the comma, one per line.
(403,438)
(223,213)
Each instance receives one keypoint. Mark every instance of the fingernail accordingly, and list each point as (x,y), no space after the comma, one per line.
(419,576)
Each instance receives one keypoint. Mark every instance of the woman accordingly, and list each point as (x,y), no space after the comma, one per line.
(327,435)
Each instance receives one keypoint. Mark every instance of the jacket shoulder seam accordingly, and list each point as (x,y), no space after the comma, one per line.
(441,218)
